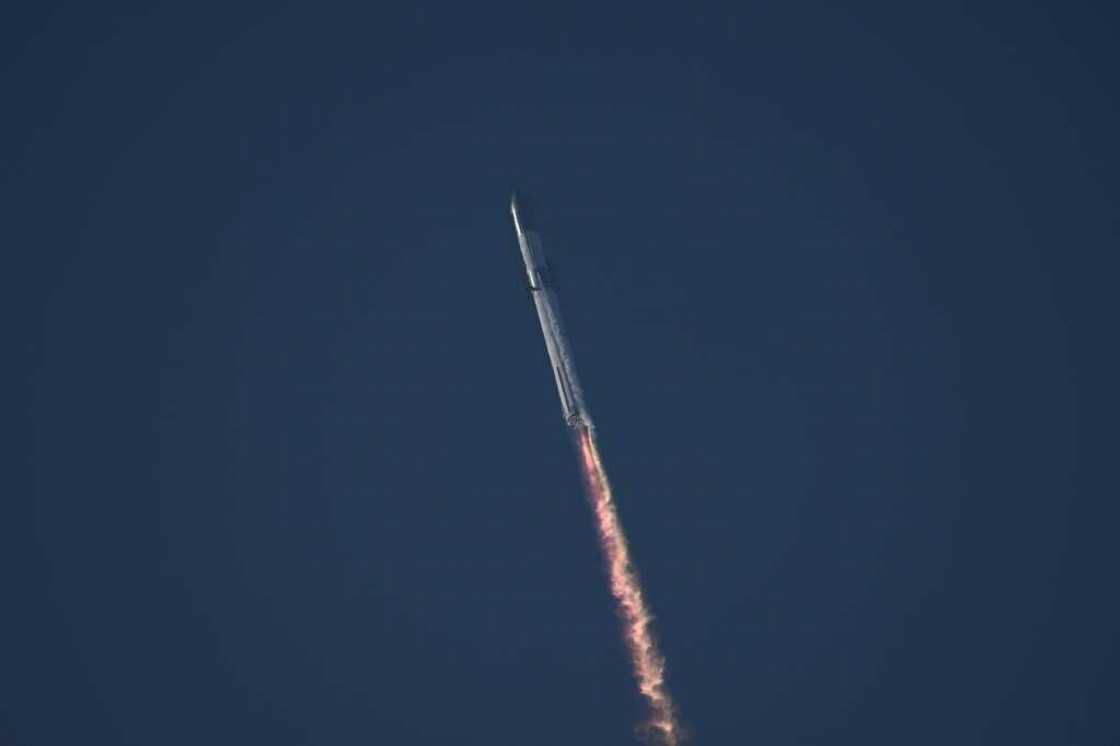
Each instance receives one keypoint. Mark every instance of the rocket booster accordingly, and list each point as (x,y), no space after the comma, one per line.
(544,297)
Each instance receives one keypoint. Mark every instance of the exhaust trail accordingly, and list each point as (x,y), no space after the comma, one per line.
(637,622)
(646,659)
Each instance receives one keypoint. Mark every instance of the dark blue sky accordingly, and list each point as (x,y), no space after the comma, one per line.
(298,471)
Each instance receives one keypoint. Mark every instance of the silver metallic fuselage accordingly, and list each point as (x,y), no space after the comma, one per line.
(544,297)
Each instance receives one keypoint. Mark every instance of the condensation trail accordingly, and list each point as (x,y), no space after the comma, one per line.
(649,666)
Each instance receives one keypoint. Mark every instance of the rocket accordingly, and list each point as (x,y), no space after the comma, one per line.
(649,665)
(544,298)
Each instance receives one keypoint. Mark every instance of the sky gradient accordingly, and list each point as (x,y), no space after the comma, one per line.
(297,472)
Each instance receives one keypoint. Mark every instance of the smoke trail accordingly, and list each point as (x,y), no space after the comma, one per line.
(649,666)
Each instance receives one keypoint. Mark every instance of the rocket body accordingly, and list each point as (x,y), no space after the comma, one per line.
(548,312)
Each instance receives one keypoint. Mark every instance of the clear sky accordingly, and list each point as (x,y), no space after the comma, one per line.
(297,470)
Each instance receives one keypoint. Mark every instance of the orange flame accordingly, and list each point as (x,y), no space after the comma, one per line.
(649,666)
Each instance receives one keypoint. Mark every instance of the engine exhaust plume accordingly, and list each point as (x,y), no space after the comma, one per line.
(646,659)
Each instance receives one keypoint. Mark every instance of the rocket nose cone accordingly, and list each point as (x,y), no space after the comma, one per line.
(521,207)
